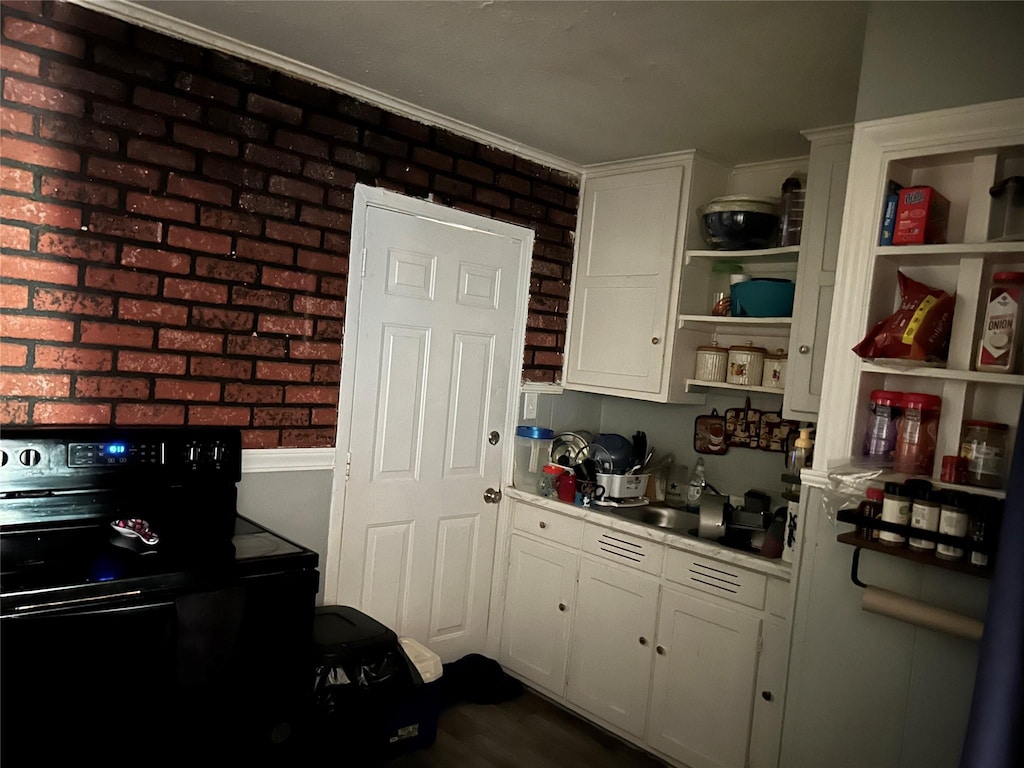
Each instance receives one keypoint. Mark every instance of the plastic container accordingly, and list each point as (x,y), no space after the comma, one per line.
(763,297)
(712,363)
(547,484)
(984,447)
(746,364)
(999,339)
(918,432)
(879,445)
(533,450)
(1006,216)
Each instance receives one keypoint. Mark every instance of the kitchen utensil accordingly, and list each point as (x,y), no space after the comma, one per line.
(709,434)
(738,222)
(623,486)
(762,297)
(570,448)
(618,449)
(713,511)
(639,448)
(589,491)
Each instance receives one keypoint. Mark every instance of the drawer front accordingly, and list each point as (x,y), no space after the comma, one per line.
(547,525)
(618,547)
(717,578)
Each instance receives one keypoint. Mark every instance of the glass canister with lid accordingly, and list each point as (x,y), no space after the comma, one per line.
(984,446)
(746,365)
(918,434)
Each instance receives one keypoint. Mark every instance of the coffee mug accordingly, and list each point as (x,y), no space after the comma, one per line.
(566,485)
(590,490)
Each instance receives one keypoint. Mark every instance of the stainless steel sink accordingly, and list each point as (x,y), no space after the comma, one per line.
(668,518)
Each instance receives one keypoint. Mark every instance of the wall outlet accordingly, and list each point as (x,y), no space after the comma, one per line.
(529,405)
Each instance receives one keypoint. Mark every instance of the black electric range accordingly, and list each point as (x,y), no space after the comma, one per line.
(138,609)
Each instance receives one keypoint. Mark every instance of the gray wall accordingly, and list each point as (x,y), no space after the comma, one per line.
(924,56)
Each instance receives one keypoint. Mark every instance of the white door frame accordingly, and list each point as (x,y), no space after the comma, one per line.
(365,197)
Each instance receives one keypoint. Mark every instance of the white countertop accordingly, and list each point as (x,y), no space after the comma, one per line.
(606,517)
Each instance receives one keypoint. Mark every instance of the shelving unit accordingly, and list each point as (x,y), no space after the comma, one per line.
(788,254)
(922,558)
(759,326)
(695,385)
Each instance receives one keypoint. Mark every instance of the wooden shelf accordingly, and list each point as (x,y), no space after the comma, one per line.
(887,475)
(788,254)
(922,558)
(756,326)
(695,385)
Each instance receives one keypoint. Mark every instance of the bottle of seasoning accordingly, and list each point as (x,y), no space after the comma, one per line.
(953,521)
(999,340)
(896,510)
(924,516)
(984,445)
(981,529)
(915,441)
(870,509)
(880,435)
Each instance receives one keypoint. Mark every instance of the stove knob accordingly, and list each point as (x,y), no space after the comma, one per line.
(193,453)
(3,458)
(29,457)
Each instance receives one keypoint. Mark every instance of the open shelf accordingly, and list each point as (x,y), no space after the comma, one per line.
(954,250)
(787,254)
(926,372)
(695,385)
(756,326)
(922,558)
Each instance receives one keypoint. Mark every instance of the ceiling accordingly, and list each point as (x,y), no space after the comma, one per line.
(578,82)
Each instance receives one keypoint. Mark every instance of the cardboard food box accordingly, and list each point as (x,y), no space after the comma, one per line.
(921,217)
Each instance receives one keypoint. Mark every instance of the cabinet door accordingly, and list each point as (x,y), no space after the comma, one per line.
(613,634)
(620,320)
(769,695)
(538,610)
(816,273)
(703,688)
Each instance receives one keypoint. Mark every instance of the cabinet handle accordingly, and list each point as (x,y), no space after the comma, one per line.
(767,695)
(804,349)
(643,641)
(655,340)
(561,607)
(660,650)
(542,524)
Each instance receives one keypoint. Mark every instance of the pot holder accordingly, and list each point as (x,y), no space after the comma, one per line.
(709,434)
(742,426)
(774,432)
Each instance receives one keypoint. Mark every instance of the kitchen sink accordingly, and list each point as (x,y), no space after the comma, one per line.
(668,518)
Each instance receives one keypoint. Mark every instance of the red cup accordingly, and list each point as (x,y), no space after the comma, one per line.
(566,485)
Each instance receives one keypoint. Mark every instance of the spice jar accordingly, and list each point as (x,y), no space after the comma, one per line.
(953,521)
(999,340)
(774,373)
(883,424)
(915,441)
(984,445)
(870,509)
(981,529)
(895,510)
(712,363)
(746,364)
(924,516)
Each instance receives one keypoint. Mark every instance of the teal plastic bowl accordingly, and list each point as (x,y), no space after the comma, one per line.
(763,297)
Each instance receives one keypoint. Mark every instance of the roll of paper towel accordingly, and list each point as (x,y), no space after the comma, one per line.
(886,603)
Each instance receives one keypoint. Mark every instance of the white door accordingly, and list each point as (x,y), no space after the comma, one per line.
(433,349)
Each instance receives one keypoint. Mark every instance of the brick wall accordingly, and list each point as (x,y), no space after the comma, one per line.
(175,229)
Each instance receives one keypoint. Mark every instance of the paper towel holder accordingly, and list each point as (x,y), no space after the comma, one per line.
(855,567)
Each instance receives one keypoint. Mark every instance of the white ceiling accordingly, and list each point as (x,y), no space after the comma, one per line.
(584,82)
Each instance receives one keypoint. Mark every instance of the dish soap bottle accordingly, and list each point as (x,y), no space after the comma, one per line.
(696,486)
(800,455)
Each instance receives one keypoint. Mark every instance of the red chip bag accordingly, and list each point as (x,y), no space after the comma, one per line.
(918,330)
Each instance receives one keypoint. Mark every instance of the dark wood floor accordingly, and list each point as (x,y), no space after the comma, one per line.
(526,731)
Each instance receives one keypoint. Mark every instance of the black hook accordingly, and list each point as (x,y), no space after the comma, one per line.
(854,567)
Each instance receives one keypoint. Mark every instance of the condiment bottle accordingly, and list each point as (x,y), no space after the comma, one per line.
(895,510)
(999,340)
(915,442)
(953,521)
(883,426)
(870,509)
(924,516)
(984,445)
(980,529)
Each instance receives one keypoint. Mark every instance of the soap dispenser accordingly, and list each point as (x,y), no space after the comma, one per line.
(800,454)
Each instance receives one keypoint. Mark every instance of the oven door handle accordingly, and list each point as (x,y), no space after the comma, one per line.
(96,601)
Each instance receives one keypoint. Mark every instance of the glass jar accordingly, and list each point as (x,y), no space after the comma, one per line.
(984,446)
(918,433)
(924,516)
(883,426)
(953,520)
(895,510)
(547,485)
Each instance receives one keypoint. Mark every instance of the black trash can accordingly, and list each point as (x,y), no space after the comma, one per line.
(366,688)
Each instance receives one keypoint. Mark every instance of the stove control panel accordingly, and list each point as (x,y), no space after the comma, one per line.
(120,452)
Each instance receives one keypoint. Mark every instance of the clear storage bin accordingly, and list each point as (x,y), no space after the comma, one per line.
(533,450)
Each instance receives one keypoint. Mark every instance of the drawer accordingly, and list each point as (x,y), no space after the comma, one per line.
(716,577)
(547,524)
(623,548)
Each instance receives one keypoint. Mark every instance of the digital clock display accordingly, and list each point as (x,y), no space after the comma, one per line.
(115,449)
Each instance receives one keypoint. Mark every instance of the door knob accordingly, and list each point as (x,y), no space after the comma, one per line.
(492,496)
(561,606)
(643,641)
(660,650)
(493,438)
(655,340)
(804,349)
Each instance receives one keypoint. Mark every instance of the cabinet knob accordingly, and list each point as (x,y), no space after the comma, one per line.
(655,340)
(660,650)
(804,349)
(767,695)
(561,607)
(643,641)
(542,524)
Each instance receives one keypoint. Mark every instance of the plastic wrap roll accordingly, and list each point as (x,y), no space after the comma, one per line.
(886,603)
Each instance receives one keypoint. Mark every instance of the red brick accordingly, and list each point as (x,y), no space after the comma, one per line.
(70,413)
(329,329)
(125,173)
(34,212)
(14,238)
(329,174)
(219,415)
(321,217)
(40,36)
(126,227)
(286,187)
(78,79)
(79,191)
(280,417)
(37,270)
(224,269)
(148,414)
(231,121)
(72,303)
(539,339)
(73,359)
(558,288)
(432,159)
(112,388)
(315,350)
(16,179)
(307,438)
(81,248)
(151,362)
(35,385)
(309,305)
(407,127)
(13,296)
(336,242)
(191,136)
(32,153)
(341,198)
(256,438)
(297,394)
(325,417)
(300,142)
(284,278)
(492,198)
(253,393)
(334,286)
(155,259)
(121,281)
(160,207)
(270,206)
(116,335)
(195,290)
(216,218)
(43,97)
(269,299)
(231,68)
(323,262)
(290,233)
(224,319)
(276,110)
(16,121)
(255,346)
(405,173)
(262,251)
(177,389)
(233,172)
(191,341)
(541,357)
(161,154)
(22,62)
(272,158)
(538,376)
(13,411)
(152,312)
(84,18)
(165,104)
(198,240)
(282,371)
(220,368)
(326,373)
(355,159)
(129,119)
(13,355)
(194,189)
(290,325)
(204,88)
(336,129)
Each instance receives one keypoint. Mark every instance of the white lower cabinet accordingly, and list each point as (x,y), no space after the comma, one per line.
(612,644)
(704,670)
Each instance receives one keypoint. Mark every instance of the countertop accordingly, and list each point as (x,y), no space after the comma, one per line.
(606,517)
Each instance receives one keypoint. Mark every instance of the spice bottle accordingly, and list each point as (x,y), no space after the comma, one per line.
(924,516)
(880,435)
(984,445)
(953,521)
(895,510)
(918,432)
(981,529)
(870,509)
(999,340)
